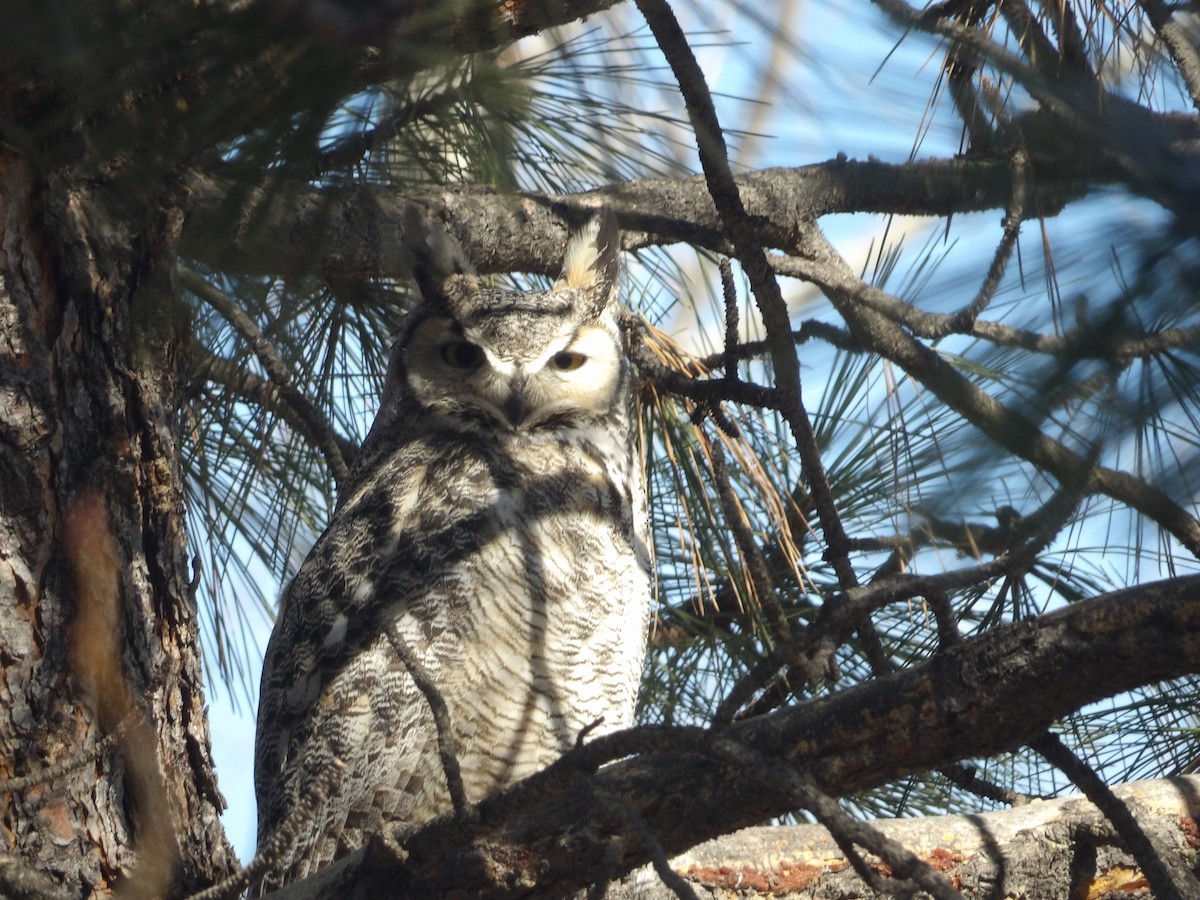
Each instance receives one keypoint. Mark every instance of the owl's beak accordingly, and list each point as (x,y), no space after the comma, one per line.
(516,407)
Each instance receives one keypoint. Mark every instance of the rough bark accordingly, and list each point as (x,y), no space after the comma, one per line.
(102,718)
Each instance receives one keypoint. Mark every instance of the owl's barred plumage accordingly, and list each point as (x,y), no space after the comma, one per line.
(496,516)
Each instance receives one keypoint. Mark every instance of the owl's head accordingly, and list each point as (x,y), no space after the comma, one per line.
(512,361)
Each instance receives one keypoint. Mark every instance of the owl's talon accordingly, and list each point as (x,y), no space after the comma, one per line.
(384,851)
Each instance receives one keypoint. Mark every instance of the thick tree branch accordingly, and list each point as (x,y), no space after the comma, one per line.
(465,27)
(987,855)
(1168,878)
(983,696)
(357,233)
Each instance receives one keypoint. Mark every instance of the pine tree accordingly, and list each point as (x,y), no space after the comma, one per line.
(925,519)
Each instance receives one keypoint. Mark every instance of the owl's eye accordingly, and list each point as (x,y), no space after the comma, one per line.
(462,354)
(566,361)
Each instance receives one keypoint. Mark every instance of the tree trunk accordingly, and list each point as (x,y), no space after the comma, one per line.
(104,741)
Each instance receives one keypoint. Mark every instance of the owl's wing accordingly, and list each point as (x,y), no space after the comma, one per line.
(332,685)
(322,623)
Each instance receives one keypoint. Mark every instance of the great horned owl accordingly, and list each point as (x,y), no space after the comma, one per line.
(496,516)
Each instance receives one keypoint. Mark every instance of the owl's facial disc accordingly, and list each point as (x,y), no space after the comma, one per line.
(454,373)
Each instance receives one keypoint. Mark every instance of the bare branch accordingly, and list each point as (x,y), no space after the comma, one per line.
(845,830)
(1079,342)
(650,844)
(748,249)
(1008,428)
(1180,44)
(704,390)
(1168,879)
(447,748)
(358,234)
(965,318)
(730,297)
(255,389)
(809,329)
(277,370)
(752,558)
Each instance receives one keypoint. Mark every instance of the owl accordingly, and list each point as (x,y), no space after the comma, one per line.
(494,528)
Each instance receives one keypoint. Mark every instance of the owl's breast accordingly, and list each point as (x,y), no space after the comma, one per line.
(544,619)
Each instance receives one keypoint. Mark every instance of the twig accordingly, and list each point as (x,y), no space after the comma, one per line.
(1044,58)
(710,391)
(815,643)
(748,249)
(872,647)
(729,291)
(846,831)
(965,318)
(808,330)
(447,746)
(1010,429)
(1041,529)
(264,393)
(752,558)
(761,674)
(1079,341)
(970,538)
(965,777)
(1168,881)
(650,843)
(961,68)
(849,611)
(944,616)
(276,369)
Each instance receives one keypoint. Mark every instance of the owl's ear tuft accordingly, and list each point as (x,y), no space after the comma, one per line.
(433,255)
(592,258)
